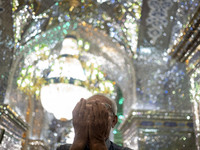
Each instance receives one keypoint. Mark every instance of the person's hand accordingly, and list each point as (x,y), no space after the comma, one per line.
(98,126)
(80,123)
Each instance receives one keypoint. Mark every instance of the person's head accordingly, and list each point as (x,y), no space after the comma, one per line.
(110,105)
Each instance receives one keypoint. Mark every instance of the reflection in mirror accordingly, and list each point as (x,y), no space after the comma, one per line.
(143,54)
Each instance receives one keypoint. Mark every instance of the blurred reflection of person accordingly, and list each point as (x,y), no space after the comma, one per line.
(92,120)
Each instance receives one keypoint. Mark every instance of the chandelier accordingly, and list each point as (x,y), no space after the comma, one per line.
(61,98)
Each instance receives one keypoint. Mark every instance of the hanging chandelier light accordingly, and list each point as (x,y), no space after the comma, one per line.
(60,98)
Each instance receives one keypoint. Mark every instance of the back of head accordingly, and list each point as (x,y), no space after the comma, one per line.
(102,97)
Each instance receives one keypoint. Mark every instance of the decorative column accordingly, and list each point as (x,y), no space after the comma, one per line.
(6,44)
(145,129)
(12,128)
(186,51)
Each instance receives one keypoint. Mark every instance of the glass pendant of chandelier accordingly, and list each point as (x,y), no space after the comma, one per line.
(60,98)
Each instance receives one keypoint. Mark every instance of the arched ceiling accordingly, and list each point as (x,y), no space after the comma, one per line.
(110,56)
(110,27)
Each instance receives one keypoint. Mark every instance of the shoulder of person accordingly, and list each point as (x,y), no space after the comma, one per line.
(118,147)
(64,147)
